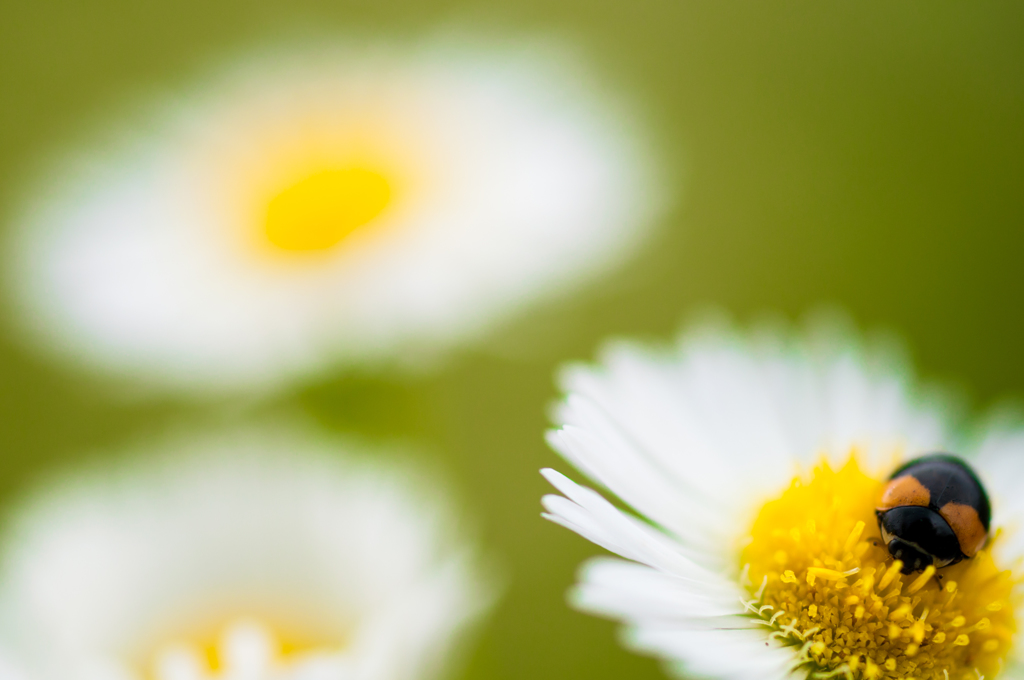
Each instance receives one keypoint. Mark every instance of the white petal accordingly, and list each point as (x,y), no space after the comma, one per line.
(240,531)
(586,512)
(635,479)
(726,654)
(8,670)
(999,462)
(178,663)
(513,180)
(725,420)
(247,650)
(638,593)
(1014,669)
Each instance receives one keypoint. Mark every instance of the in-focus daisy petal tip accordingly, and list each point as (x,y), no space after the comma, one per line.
(376,205)
(241,555)
(787,517)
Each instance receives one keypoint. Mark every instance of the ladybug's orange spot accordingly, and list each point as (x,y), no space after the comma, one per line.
(902,491)
(821,579)
(967,526)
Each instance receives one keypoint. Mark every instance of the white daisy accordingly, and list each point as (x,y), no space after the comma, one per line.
(753,466)
(367,205)
(260,556)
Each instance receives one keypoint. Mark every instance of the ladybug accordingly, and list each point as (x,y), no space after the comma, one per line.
(934,511)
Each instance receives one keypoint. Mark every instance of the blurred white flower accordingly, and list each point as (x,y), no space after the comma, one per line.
(753,467)
(373,205)
(256,556)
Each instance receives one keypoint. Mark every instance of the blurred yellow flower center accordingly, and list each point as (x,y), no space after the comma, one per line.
(319,211)
(243,649)
(820,577)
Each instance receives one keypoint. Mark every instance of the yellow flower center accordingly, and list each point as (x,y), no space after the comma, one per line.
(243,647)
(821,578)
(319,211)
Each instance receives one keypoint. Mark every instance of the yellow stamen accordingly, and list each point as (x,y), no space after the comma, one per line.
(319,211)
(901,612)
(854,537)
(919,582)
(827,574)
(890,574)
(842,599)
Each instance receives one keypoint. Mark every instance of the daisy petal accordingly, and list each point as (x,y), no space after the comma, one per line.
(635,592)
(375,204)
(241,554)
(718,409)
(606,459)
(1000,461)
(730,654)
(587,510)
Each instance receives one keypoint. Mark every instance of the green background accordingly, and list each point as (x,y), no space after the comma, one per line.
(865,154)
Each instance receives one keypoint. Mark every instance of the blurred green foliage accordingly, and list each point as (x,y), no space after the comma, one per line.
(869,154)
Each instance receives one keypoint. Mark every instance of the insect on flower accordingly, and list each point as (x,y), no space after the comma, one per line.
(934,511)
(766,531)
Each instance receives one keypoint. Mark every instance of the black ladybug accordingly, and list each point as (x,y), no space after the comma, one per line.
(933,511)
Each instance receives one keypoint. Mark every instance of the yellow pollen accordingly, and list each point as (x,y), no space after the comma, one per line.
(825,583)
(319,211)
